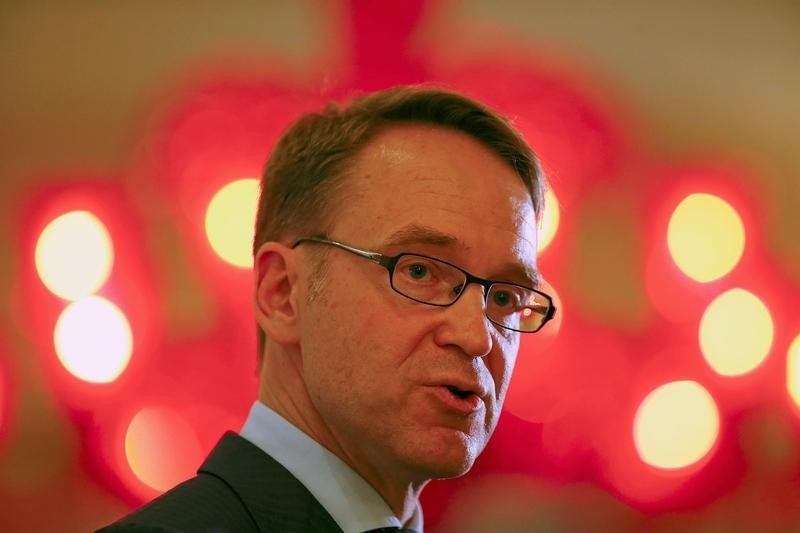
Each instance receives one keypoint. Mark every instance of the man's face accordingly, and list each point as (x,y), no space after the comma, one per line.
(378,366)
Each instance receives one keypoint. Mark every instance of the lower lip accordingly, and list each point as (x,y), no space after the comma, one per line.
(468,405)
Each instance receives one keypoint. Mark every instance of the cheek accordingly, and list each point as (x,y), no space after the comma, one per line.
(394,324)
(363,339)
(502,366)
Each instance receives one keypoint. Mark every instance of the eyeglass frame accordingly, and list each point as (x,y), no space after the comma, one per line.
(389,263)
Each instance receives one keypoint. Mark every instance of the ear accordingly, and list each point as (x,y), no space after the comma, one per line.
(276,291)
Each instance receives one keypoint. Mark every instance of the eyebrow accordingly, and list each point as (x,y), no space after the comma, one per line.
(419,234)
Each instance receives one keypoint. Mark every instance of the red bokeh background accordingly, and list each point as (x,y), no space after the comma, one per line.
(566,434)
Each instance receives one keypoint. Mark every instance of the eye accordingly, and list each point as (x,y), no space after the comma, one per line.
(501,298)
(420,271)
(417,271)
(508,296)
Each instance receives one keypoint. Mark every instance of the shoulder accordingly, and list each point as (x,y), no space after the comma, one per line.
(203,503)
(239,488)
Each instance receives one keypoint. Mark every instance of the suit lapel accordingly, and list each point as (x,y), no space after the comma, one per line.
(275,499)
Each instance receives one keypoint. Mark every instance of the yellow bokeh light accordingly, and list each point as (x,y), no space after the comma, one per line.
(736,333)
(230,220)
(550,219)
(793,371)
(74,255)
(705,237)
(676,425)
(161,448)
(93,340)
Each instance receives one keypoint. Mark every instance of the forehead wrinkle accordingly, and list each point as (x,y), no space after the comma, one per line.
(421,234)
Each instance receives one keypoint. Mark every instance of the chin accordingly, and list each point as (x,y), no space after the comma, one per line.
(449,473)
(447,453)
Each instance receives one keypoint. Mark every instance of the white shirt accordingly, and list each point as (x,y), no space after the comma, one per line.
(348,498)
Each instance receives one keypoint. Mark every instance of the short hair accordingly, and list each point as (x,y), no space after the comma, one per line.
(310,162)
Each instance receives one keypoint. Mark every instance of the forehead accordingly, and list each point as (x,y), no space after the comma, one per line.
(443,180)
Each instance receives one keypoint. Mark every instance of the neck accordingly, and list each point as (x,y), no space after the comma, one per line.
(283,390)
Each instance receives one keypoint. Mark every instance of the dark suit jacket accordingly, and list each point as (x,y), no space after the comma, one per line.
(239,488)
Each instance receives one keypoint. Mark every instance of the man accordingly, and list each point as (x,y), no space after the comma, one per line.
(395,270)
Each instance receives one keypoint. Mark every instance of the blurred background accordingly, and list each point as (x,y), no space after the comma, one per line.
(665,397)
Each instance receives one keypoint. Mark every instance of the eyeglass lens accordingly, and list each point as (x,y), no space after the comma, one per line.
(434,282)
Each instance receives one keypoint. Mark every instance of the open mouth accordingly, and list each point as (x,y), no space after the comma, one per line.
(465,402)
(459,393)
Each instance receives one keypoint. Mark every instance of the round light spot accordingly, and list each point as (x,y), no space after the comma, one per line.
(161,448)
(550,219)
(74,254)
(793,371)
(736,333)
(230,220)
(676,425)
(93,340)
(705,237)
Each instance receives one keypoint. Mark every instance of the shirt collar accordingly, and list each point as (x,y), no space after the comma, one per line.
(348,498)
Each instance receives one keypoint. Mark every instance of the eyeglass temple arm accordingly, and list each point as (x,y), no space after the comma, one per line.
(372,256)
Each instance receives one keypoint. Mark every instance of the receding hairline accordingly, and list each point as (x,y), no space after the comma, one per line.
(368,116)
(346,178)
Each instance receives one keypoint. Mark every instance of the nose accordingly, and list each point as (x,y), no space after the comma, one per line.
(466,325)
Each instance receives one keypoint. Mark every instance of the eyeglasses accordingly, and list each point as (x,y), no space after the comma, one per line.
(435,282)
